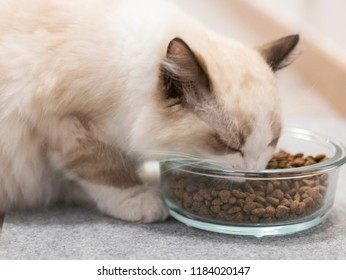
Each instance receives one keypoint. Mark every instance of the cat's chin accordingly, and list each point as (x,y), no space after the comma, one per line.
(234,167)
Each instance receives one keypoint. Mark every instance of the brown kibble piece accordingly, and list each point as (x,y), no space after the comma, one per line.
(293,216)
(258,212)
(297,197)
(285,202)
(191,188)
(308,182)
(299,155)
(217,201)
(259,205)
(204,211)
(196,206)
(232,200)
(309,202)
(276,184)
(179,193)
(238,194)
(225,195)
(205,194)
(248,207)
(288,197)
(323,177)
(197,197)
(319,157)
(260,199)
(270,211)
(249,188)
(240,202)
(294,205)
(187,198)
(273,201)
(234,209)
(267,220)
(284,186)
(296,185)
(278,194)
(298,162)
(221,216)
(270,188)
(314,193)
(322,189)
(225,207)
(300,208)
(282,212)
(303,189)
(254,219)
(237,217)
(207,202)
(309,162)
(215,209)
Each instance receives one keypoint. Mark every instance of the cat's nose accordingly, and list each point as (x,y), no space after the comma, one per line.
(249,163)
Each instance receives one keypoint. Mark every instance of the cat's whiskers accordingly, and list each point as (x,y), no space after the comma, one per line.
(185,159)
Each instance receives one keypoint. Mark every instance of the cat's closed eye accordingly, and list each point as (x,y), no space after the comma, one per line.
(225,147)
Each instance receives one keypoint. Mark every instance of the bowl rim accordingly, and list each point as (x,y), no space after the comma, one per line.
(337,160)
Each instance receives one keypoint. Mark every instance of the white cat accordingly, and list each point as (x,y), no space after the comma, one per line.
(89,90)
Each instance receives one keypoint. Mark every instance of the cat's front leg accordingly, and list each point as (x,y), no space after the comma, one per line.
(109,176)
(119,195)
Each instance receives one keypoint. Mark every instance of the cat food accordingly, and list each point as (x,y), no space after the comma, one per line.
(253,201)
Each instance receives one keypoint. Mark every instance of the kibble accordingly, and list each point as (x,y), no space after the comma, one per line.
(253,201)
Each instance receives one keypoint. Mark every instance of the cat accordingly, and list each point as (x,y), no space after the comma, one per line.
(91,89)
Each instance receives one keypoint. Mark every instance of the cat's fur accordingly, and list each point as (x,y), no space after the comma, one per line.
(91,89)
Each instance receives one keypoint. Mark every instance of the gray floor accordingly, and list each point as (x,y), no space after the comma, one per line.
(76,233)
(79,234)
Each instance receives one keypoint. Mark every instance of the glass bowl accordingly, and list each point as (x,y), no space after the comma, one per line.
(255,202)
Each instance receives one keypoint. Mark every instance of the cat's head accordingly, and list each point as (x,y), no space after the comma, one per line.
(220,102)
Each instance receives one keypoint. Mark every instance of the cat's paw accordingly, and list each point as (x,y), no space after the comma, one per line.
(144,207)
(141,204)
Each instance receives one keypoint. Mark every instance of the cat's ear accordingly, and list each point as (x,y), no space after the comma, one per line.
(278,53)
(185,76)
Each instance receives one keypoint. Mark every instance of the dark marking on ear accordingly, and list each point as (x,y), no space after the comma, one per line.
(278,53)
(184,75)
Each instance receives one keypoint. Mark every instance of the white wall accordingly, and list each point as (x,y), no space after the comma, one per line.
(214,16)
(323,21)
